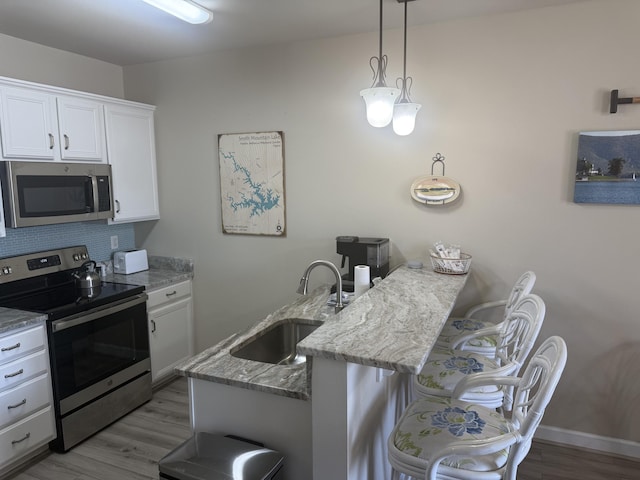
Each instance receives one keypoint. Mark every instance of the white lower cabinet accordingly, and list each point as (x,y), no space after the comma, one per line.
(3,232)
(27,419)
(170,313)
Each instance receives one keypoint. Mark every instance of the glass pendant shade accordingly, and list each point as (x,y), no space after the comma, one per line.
(380,101)
(404,117)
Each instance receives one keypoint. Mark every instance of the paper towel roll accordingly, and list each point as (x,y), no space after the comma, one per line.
(361,279)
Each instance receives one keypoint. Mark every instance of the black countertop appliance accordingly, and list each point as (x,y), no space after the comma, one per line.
(373,252)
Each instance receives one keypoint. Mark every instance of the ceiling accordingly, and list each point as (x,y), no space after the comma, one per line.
(127,32)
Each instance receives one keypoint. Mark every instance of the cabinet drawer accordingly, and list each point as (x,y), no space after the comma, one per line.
(168,294)
(21,343)
(27,434)
(23,369)
(24,399)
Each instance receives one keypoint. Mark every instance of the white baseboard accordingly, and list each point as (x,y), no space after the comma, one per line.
(573,438)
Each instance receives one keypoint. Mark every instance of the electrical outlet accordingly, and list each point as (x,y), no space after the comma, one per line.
(114,242)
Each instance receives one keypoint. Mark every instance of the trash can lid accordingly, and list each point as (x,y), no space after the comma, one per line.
(207,456)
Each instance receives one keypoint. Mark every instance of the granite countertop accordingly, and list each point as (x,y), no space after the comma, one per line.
(162,271)
(218,365)
(11,319)
(393,326)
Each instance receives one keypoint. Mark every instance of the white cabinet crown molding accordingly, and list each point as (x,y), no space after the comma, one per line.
(13,82)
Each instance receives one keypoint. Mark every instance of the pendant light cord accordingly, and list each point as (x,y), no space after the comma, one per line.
(404,83)
(404,63)
(380,29)
(381,60)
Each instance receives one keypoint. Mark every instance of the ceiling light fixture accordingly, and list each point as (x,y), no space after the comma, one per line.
(380,98)
(184,10)
(405,111)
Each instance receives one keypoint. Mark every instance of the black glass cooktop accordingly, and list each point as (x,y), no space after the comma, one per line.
(66,299)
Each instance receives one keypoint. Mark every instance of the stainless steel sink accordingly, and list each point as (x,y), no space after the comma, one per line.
(277,343)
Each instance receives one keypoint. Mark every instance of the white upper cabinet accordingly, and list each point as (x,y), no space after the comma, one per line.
(44,123)
(132,155)
(81,127)
(28,125)
(36,125)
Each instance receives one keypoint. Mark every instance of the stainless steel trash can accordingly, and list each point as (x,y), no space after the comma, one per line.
(206,456)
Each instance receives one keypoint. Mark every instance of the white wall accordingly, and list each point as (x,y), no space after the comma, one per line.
(37,63)
(503,100)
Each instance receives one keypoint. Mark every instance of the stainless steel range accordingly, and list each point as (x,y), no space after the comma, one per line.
(98,339)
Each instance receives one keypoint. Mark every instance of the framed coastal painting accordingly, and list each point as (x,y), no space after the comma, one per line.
(608,167)
(252,183)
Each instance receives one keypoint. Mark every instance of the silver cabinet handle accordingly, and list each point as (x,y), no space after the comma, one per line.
(9,407)
(117,206)
(153,326)
(13,442)
(171,294)
(51,142)
(12,347)
(66,141)
(14,374)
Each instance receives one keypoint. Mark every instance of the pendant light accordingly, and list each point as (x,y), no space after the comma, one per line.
(380,98)
(185,10)
(405,111)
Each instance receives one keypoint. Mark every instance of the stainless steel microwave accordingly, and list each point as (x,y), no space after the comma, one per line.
(44,193)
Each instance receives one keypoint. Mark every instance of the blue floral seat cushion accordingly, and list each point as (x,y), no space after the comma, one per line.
(431,423)
(456,326)
(446,367)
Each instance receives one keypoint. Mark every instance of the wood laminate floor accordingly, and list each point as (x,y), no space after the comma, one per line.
(130,449)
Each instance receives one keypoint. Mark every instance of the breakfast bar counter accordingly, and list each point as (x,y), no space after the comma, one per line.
(393,326)
(331,415)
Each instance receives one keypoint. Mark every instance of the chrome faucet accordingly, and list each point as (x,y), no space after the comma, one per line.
(304,281)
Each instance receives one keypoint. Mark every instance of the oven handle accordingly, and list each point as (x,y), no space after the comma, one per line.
(91,315)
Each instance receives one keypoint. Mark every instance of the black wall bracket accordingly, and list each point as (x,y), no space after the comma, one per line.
(616,100)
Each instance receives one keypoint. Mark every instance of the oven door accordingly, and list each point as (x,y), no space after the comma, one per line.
(98,351)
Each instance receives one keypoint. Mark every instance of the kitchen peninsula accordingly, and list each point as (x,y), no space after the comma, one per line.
(331,415)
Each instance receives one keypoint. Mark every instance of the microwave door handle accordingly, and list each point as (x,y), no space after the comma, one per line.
(94,189)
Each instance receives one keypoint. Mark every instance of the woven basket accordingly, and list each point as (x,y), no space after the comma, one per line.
(451,266)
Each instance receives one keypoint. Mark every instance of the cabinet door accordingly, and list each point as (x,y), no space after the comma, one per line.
(170,336)
(28,124)
(132,155)
(81,127)
(3,232)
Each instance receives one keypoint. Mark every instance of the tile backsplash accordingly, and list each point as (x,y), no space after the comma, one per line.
(95,235)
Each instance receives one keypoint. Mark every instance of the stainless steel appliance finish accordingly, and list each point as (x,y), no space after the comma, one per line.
(98,345)
(277,344)
(44,193)
(209,456)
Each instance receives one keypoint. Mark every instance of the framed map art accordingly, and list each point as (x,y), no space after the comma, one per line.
(252,183)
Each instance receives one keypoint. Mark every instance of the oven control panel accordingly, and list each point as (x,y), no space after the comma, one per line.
(43,262)
(40,263)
